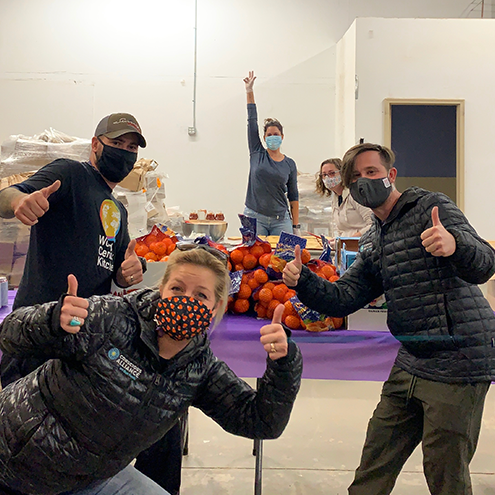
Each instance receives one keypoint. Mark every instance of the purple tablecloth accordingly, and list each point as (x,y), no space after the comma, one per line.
(338,355)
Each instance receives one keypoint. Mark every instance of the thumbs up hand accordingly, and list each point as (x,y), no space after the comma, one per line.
(29,207)
(437,240)
(292,270)
(273,336)
(74,310)
(131,269)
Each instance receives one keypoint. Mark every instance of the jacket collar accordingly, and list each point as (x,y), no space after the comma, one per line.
(405,202)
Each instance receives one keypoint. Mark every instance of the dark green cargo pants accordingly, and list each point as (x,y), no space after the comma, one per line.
(444,417)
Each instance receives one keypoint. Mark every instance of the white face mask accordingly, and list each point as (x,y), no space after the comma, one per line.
(331,182)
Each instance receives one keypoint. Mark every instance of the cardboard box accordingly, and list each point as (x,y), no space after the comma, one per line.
(373,317)
(345,245)
(135,181)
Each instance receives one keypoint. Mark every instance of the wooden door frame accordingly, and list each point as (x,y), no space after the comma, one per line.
(460,108)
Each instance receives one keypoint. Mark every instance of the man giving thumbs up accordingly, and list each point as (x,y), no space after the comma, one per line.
(77,226)
(425,257)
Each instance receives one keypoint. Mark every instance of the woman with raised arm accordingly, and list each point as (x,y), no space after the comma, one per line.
(272,196)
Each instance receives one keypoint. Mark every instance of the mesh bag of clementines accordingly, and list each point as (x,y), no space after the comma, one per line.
(157,245)
(259,293)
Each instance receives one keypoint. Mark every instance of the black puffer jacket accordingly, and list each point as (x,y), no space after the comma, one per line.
(445,325)
(86,415)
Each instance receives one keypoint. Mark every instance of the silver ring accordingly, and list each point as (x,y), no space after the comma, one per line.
(272,347)
(132,278)
(75,322)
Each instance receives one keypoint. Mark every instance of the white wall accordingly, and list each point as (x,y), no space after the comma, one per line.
(67,64)
(427,58)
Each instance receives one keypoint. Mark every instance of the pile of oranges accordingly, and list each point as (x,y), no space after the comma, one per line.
(155,246)
(264,295)
(248,258)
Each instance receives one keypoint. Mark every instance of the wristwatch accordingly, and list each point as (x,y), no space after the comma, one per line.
(298,226)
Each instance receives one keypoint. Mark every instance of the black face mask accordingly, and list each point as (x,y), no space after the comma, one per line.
(371,193)
(115,164)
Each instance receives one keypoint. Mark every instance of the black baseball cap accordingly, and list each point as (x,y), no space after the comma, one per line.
(118,124)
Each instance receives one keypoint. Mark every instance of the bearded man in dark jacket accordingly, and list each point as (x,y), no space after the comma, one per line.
(426,258)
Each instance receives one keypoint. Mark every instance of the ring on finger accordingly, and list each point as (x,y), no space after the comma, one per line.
(272,347)
(132,278)
(75,322)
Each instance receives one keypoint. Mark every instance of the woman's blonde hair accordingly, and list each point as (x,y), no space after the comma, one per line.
(201,257)
(321,189)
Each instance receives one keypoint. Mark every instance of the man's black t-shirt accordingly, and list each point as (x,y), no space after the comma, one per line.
(84,232)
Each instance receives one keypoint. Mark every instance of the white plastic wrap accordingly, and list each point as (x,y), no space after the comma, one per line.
(315,211)
(21,153)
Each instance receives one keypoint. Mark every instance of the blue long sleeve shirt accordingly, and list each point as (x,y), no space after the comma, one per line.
(270,183)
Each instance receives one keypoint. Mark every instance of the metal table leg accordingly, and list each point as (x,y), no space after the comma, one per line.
(258,452)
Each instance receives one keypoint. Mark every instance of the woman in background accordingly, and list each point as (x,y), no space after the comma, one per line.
(350,218)
(272,175)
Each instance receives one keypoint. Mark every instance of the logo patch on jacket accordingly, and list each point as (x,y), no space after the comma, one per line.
(367,246)
(130,369)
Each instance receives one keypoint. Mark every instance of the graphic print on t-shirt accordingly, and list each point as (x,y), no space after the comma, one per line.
(110,220)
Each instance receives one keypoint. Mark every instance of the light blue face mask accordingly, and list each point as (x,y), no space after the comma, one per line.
(273,142)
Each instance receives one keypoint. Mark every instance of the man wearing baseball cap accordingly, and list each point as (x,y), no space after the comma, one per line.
(77,226)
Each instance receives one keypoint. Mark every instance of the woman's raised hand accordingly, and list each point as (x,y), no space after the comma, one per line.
(74,309)
(249,81)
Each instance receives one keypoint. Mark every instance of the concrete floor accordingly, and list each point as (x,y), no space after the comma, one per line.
(319,450)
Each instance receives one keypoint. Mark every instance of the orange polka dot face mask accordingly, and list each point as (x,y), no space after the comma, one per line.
(182,317)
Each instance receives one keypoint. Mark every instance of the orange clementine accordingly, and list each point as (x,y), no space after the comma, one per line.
(261,276)
(269,313)
(293,322)
(159,248)
(265,259)
(249,261)
(273,304)
(269,285)
(256,295)
(260,310)
(229,266)
(265,295)
(164,258)
(170,248)
(238,267)
(150,239)
(253,283)
(236,256)
(241,305)
(328,271)
(289,294)
(150,256)
(256,251)
(289,308)
(141,249)
(244,291)
(337,322)
(266,247)
(334,278)
(305,256)
(279,292)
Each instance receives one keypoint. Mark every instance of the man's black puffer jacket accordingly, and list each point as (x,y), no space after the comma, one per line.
(435,308)
(86,415)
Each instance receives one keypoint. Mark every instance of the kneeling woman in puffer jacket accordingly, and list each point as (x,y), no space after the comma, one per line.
(122,371)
